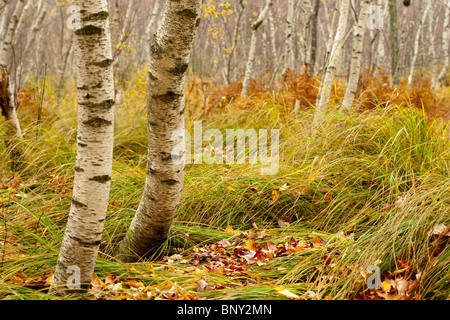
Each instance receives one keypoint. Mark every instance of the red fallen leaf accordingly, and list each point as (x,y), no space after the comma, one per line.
(328,198)
(253,190)
(260,255)
(11,240)
(281,251)
(236,268)
(240,252)
(401,261)
(327,260)
(319,242)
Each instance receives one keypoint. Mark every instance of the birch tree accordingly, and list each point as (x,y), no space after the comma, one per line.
(445,43)
(335,54)
(95,90)
(417,42)
(169,58)
(36,26)
(314,22)
(355,64)
(251,54)
(393,36)
(289,43)
(6,57)
(149,29)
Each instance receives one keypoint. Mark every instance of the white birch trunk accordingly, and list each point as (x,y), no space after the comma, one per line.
(336,51)
(95,86)
(289,43)
(251,55)
(169,58)
(355,64)
(149,28)
(6,57)
(417,43)
(235,39)
(37,24)
(445,43)
(313,49)
(432,49)
(22,16)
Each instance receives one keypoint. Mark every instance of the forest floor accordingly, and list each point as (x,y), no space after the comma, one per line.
(358,194)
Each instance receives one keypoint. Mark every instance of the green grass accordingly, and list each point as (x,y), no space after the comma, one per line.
(373,185)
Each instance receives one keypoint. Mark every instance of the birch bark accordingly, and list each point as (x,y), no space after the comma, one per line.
(95,86)
(251,55)
(289,43)
(355,64)
(37,23)
(417,42)
(445,43)
(314,22)
(169,58)
(149,28)
(335,54)
(6,57)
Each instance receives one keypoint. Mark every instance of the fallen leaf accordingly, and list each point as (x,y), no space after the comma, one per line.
(282,223)
(275,196)
(224,243)
(96,281)
(204,286)
(135,284)
(230,229)
(286,293)
(439,230)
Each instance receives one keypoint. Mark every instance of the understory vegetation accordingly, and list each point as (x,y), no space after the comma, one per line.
(366,189)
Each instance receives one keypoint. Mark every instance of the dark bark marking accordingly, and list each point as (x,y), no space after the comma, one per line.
(97,122)
(86,243)
(78,204)
(168,97)
(102,15)
(179,69)
(188,13)
(104,63)
(170,182)
(101,106)
(152,77)
(155,49)
(89,30)
(101,179)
